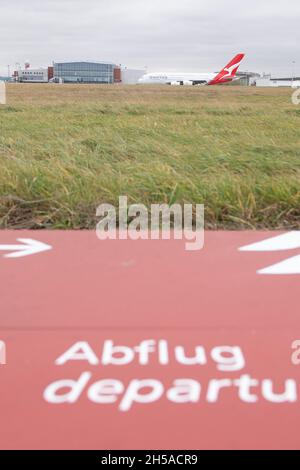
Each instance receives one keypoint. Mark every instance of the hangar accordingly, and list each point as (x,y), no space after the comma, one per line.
(131,76)
(95,72)
(269,81)
(84,72)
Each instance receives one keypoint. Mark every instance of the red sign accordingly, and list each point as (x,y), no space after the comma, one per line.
(141,344)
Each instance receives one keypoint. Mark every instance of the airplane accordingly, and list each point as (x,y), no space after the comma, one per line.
(227,74)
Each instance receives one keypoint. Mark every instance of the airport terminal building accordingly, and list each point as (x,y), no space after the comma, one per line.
(85,72)
(80,72)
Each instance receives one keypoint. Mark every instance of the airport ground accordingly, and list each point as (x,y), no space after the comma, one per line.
(65,149)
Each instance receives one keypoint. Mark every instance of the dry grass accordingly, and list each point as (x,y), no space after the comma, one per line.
(64,149)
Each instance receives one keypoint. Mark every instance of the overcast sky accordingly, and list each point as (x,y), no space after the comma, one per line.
(185,35)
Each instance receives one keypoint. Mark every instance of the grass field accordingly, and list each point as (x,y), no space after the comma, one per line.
(65,149)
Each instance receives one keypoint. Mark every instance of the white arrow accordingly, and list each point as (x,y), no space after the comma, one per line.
(28,247)
(286,241)
(288,266)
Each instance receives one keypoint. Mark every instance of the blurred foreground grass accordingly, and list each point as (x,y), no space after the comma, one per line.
(66,149)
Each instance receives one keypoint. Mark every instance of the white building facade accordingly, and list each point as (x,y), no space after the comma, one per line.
(131,76)
(268,81)
(33,75)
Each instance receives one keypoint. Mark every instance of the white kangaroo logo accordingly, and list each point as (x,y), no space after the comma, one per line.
(230,70)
